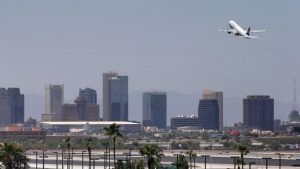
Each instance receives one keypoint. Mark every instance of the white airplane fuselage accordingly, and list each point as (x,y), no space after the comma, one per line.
(238,31)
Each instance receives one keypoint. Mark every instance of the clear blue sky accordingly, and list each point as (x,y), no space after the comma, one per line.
(169,45)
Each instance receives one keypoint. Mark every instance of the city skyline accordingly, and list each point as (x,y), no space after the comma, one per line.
(183,110)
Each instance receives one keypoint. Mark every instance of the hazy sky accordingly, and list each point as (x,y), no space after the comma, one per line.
(165,45)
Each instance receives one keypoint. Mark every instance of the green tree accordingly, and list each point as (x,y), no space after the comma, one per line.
(153,153)
(12,156)
(113,131)
(181,163)
(243,151)
(190,155)
(88,143)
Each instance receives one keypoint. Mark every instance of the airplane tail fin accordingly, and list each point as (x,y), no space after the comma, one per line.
(248,31)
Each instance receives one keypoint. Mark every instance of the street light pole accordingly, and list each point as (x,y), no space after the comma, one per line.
(62,159)
(56,153)
(36,157)
(234,160)
(251,164)
(205,156)
(44,159)
(130,155)
(279,158)
(176,161)
(109,158)
(267,159)
(82,158)
(105,154)
(72,156)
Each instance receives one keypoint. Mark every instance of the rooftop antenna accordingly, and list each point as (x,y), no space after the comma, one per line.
(295,99)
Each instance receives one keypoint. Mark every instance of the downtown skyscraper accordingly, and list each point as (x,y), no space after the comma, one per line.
(115,97)
(210,110)
(54,99)
(258,112)
(11,106)
(155,109)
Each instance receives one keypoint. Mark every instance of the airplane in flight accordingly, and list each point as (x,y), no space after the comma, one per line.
(235,29)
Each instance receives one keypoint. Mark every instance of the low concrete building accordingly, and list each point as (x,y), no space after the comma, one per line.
(92,126)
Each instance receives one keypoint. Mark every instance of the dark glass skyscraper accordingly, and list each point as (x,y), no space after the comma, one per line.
(115,97)
(11,106)
(258,112)
(155,109)
(208,114)
(90,95)
(16,102)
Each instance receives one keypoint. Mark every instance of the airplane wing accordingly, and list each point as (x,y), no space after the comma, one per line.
(257,31)
(226,30)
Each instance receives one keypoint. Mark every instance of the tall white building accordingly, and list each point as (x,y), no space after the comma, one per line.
(54,99)
(218,95)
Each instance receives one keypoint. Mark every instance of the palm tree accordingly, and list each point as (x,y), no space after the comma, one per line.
(243,150)
(88,143)
(194,156)
(153,153)
(190,154)
(12,156)
(106,144)
(68,141)
(113,131)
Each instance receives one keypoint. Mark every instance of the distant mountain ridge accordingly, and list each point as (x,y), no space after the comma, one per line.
(178,104)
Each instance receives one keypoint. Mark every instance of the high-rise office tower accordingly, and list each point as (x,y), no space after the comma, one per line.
(155,109)
(90,95)
(16,102)
(4,108)
(11,106)
(218,95)
(258,112)
(54,99)
(115,97)
(208,114)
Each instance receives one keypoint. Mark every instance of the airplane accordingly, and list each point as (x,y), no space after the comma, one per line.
(238,31)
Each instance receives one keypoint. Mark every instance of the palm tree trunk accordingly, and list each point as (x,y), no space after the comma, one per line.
(90,156)
(149,164)
(190,162)
(194,163)
(114,140)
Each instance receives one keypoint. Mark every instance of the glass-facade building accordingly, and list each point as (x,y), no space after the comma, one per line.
(90,95)
(155,109)
(115,97)
(208,114)
(258,112)
(11,106)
